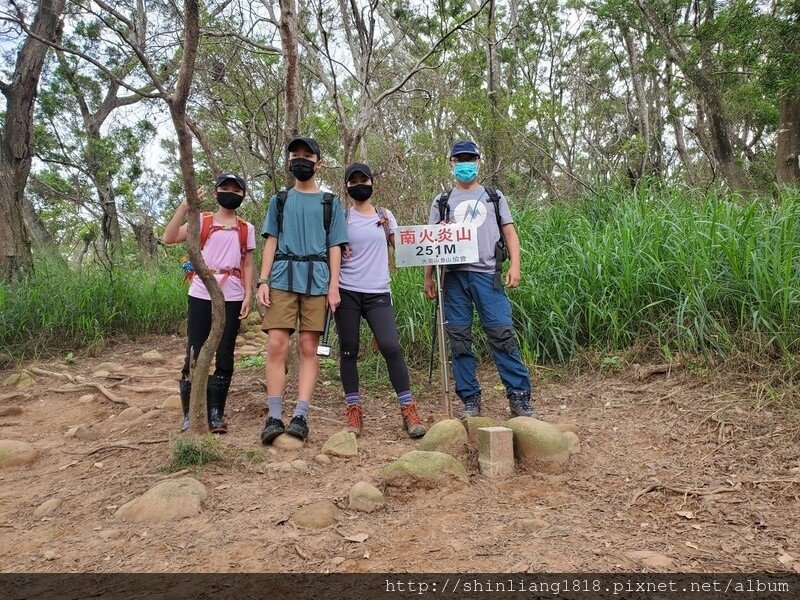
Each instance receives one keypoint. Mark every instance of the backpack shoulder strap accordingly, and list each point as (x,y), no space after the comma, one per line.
(280,198)
(494,198)
(444,207)
(207,219)
(327,211)
(384,221)
(241,224)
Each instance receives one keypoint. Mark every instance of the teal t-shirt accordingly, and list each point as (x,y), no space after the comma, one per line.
(303,235)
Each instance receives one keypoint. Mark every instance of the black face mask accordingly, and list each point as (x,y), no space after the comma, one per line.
(302,168)
(360,192)
(229,200)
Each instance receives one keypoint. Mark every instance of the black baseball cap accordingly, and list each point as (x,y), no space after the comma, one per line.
(308,141)
(357,168)
(223,177)
(465,147)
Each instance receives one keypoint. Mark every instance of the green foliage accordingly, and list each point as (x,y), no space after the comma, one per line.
(190,451)
(59,308)
(252,362)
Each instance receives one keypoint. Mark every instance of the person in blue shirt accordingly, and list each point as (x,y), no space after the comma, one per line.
(304,232)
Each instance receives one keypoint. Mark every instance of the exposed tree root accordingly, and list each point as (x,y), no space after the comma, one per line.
(685,491)
(91,384)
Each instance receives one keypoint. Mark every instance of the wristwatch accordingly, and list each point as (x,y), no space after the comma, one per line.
(262,282)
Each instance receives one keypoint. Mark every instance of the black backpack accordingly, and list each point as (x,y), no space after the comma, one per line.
(327,210)
(327,216)
(500,250)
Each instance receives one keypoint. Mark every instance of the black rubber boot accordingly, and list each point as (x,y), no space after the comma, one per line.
(186,392)
(217,395)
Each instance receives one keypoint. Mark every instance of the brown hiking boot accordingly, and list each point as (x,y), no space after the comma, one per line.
(355,418)
(411,420)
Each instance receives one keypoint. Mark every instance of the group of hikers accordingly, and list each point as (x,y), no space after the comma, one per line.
(321,261)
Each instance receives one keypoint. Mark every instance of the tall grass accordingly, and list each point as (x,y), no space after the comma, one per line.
(660,269)
(59,308)
(669,270)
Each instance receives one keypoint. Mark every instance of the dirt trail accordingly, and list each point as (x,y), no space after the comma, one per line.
(635,497)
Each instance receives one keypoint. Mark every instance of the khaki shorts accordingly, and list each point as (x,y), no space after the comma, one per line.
(285,308)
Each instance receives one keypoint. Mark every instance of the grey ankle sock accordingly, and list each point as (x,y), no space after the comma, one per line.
(301,410)
(274,405)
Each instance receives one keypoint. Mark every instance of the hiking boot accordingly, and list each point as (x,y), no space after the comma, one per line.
(272,429)
(298,427)
(354,415)
(411,420)
(216,423)
(472,407)
(520,404)
(185,387)
(217,394)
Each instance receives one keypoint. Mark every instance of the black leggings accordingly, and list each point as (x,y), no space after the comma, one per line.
(198,326)
(378,311)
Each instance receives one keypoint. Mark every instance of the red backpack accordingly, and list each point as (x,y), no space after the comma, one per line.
(207,227)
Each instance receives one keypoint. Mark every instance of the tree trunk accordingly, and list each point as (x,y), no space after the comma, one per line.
(677,127)
(198,423)
(291,106)
(36,230)
(145,239)
(699,76)
(103,183)
(787,168)
(491,153)
(15,153)
(640,164)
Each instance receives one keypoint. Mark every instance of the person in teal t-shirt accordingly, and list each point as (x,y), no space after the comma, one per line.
(304,232)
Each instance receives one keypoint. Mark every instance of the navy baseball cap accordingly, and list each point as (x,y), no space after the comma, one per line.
(306,141)
(223,177)
(465,147)
(357,168)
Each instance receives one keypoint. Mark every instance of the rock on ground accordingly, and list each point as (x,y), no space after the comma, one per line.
(10,411)
(564,427)
(130,413)
(48,507)
(425,469)
(287,442)
(172,402)
(342,443)
(20,380)
(316,515)
(167,501)
(365,497)
(574,442)
(447,436)
(14,453)
(654,560)
(152,356)
(539,444)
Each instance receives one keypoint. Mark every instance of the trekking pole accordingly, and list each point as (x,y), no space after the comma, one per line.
(324,349)
(434,331)
(442,343)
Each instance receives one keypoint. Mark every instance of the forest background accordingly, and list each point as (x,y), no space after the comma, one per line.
(649,149)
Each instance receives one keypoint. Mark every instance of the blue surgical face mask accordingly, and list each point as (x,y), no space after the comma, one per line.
(465,171)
